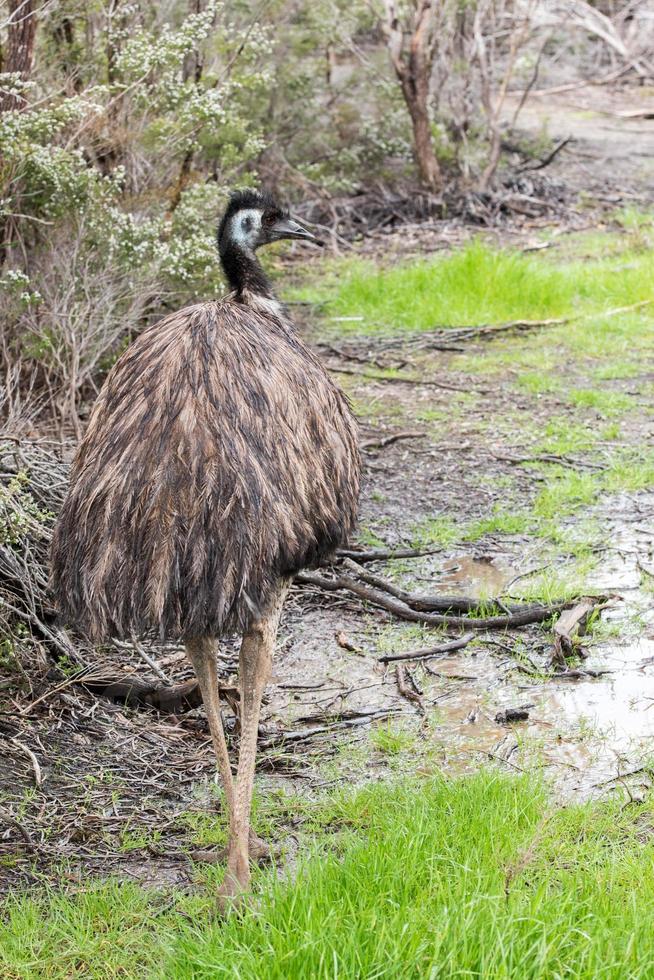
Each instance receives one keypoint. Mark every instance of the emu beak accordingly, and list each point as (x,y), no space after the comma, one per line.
(287,228)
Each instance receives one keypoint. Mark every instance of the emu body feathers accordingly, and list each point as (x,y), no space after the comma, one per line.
(219,458)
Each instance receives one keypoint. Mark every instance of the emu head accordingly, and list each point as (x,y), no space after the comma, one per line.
(253,219)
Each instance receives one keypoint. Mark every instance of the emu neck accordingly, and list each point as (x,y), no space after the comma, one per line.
(247,278)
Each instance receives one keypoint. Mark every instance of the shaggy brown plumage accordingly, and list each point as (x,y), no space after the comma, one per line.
(219,460)
(219,457)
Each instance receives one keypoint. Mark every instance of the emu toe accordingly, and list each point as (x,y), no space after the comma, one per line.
(235,886)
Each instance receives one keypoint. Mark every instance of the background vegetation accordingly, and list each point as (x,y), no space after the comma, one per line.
(122,127)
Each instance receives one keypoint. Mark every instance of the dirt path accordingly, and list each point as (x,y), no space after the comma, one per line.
(610,155)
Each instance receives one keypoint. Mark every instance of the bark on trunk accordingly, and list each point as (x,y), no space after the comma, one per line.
(413,67)
(423,143)
(21,32)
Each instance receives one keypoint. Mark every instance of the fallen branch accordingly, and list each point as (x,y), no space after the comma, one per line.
(436,651)
(134,690)
(385,554)
(491,329)
(553,458)
(406,380)
(423,603)
(579,675)
(524,617)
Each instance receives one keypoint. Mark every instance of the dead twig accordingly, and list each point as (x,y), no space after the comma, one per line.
(408,688)
(144,655)
(11,821)
(424,603)
(36,768)
(346,644)
(545,162)
(282,738)
(389,440)
(436,651)
(405,379)
(386,554)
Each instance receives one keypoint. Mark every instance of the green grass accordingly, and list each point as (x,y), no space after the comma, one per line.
(476,285)
(480,876)
(391,739)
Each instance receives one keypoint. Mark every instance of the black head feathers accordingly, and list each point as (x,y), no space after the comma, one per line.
(252,219)
(246,199)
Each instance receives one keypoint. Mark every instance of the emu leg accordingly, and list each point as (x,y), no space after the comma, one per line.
(202,654)
(255,663)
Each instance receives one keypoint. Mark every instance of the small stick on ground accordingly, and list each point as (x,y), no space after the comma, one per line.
(38,776)
(11,820)
(492,329)
(144,655)
(346,644)
(390,440)
(406,689)
(436,651)
(386,554)
(405,379)
(545,162)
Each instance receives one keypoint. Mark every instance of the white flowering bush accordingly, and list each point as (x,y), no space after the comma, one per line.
(118,151)
(109,197)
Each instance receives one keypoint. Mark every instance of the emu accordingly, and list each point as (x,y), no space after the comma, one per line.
(219,460)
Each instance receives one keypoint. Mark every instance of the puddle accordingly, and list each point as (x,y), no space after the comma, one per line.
(592,729)
(475,577)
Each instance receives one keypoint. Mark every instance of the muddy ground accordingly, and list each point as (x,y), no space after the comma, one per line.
(92,788)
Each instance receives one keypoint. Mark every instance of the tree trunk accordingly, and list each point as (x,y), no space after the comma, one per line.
(423,143)
(413,68)
(21,31)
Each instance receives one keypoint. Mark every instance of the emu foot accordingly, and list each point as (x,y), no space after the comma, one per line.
(233,891)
